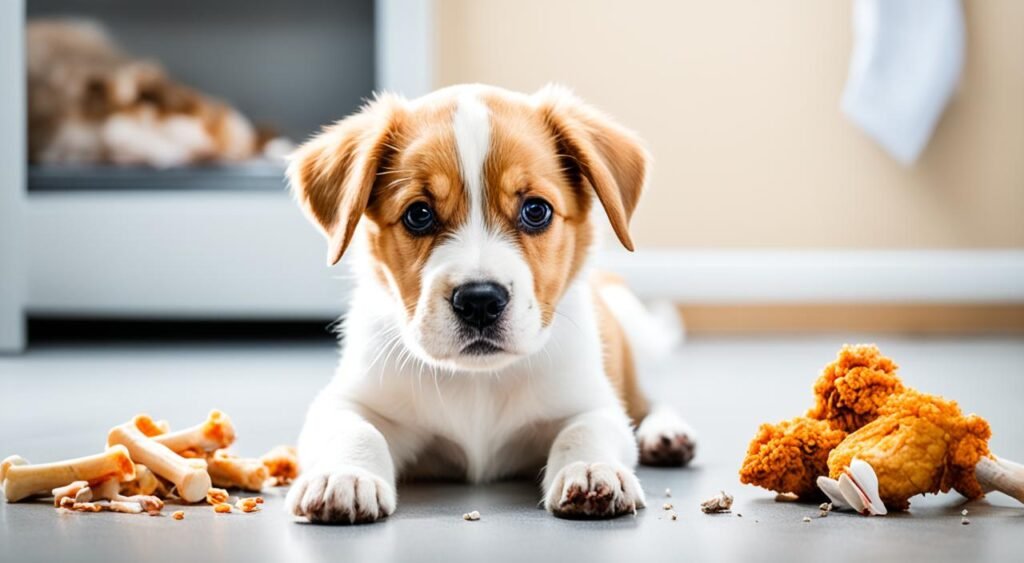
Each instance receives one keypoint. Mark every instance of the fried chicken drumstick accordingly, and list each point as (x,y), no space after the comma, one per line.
(869,443)
(919,444)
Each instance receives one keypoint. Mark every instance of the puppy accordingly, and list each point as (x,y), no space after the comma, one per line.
(479,345)
(90,103)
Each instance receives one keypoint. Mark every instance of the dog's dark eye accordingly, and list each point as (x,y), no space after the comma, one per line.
(419,218)
(535,215)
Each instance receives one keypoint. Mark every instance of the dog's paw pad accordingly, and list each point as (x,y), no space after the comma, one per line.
(346,495)
(596,490)
(668,450)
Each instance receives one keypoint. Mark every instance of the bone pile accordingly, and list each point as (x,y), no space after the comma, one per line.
(145,463)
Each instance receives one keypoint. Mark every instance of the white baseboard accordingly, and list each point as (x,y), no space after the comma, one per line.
(823,276)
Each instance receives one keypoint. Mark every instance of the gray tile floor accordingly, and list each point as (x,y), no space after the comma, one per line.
(59,402)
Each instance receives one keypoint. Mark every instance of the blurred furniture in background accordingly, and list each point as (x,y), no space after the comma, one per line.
(767,208)
(212,242)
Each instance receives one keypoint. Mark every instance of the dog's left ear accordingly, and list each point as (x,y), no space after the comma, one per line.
(333,174)
(608,156)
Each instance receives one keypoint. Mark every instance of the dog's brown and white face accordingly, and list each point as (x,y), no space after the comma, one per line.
(477,210)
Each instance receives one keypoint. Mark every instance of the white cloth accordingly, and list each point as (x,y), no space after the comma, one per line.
(906,63)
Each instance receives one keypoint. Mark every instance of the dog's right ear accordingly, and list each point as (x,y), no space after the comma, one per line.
(332,175)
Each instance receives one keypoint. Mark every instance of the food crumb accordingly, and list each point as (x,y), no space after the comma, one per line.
(824,509)
(259,500)
(721,502)
(222,508)
(247,504)
(471,516)
(668,492)
(807,518)
(964,521)
(674,515)
(178,515)
(216,496)
(666,506)
(738,515)
(963,512)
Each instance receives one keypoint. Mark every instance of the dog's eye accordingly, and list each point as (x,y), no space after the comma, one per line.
(419,218)
(535,215)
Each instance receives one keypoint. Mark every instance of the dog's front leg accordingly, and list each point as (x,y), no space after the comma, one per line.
(590,468)
(348,475)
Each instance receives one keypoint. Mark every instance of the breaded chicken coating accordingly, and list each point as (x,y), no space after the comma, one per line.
(788,457)
(851,390)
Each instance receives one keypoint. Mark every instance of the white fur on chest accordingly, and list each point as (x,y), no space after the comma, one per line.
(499,422)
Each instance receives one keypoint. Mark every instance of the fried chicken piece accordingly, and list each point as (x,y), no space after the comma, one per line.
(788,457)
(851,390)
(919,444)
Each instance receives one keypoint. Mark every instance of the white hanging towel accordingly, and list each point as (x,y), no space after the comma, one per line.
(906,62)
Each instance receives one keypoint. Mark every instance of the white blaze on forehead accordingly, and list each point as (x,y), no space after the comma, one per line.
(472,124)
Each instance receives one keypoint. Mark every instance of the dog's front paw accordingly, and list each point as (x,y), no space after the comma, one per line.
(344,495)
(666,440)
(594,490)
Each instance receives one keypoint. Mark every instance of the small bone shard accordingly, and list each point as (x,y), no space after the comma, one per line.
(721,502)
(232,472)
(247,504)
(188,476)
(856,488)
(22,480)
(216,496)
(471,516)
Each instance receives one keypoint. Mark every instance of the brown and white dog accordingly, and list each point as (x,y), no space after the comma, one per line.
(479,344)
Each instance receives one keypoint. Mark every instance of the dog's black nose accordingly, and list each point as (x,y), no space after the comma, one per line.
(479,304)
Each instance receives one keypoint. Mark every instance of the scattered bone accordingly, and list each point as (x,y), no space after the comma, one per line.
(150,427)
(216,496)
(111,490)
(471,516)
(666,506)
(22,480)
(70,504)
(145,483)
(222,508)
(189,477)
(178,515)
(215,433)
(69,491)
(824,509)
(99,506)
(963,512)
(282,463)
(232,472)
(249,504)
(721,502)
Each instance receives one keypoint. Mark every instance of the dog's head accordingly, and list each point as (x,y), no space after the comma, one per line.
(476,204)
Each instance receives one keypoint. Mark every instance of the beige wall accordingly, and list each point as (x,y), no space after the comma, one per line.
(739,102)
